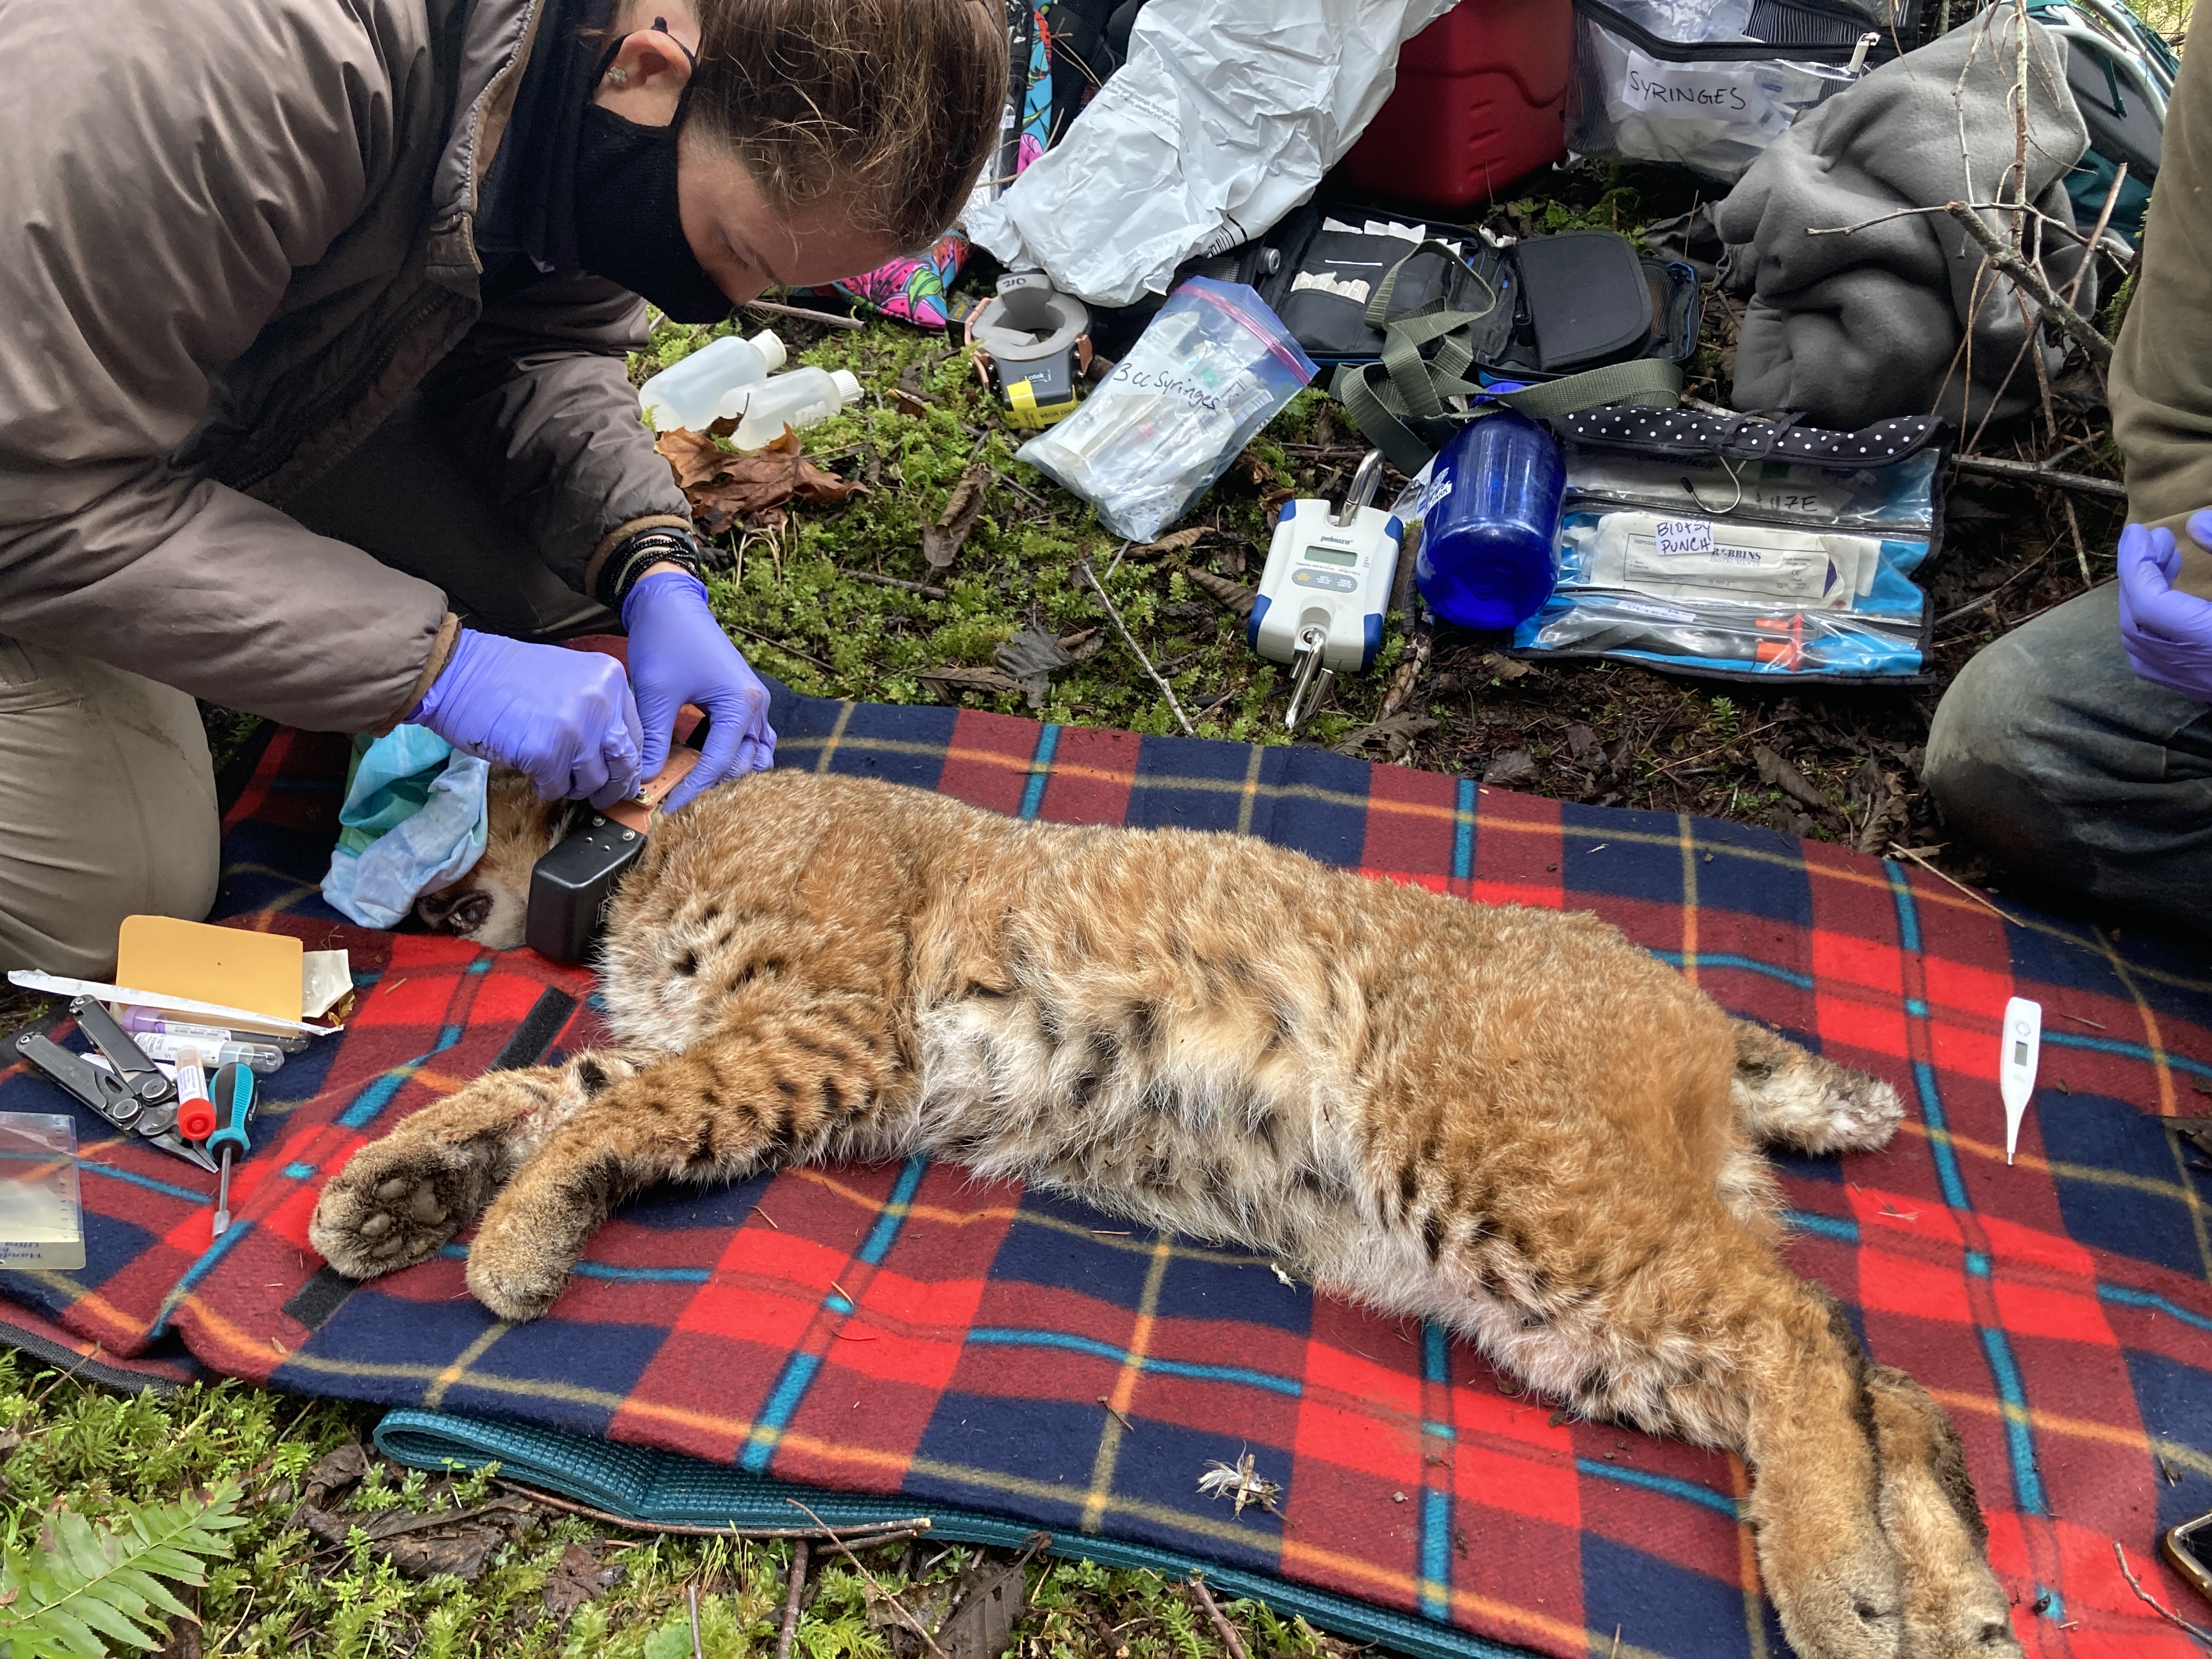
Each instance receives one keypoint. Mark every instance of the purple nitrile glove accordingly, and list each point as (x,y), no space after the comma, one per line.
(564,717)
(2168,635)
(678,653)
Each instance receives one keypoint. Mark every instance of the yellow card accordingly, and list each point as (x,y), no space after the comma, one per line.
(259,972)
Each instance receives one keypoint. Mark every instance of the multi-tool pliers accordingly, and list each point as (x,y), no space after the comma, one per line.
(135,1097)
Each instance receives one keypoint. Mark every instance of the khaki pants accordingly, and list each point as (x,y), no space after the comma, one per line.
(107,805)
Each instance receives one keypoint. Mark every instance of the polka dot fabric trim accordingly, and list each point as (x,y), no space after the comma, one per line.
(1743,437)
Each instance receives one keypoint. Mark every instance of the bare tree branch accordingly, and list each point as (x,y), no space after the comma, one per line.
(2030,280)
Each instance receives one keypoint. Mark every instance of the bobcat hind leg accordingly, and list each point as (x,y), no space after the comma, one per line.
(399,1200)
(1785,1096)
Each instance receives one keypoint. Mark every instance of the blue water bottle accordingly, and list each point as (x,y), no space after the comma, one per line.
(1487,538)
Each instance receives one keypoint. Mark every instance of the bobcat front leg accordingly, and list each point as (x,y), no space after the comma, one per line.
(399,1198)
(777,1085)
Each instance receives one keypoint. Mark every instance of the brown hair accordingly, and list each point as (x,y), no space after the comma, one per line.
(891,106)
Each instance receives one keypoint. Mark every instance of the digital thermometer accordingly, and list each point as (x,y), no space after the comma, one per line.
(2020,1043)
(1326,588)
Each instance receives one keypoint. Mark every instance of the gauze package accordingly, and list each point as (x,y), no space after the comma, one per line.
(1209,371)
(1689,558)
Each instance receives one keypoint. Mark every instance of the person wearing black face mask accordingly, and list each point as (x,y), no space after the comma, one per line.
(333,423)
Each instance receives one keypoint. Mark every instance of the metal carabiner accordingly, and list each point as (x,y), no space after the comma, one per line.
(1304,677)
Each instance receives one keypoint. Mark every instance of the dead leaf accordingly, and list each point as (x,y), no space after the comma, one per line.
(1511,765)
(1581,740)
(1084,646)
(1776,773)
(1270,506)
(982,1622)
(337,1472)
(723,487)
(1030,657)
(1233,597)
(1172,543)
(460,1542)
(577,1577)
(1503,668)
(1394,734)
(910,402)
(949,683)
(940,542)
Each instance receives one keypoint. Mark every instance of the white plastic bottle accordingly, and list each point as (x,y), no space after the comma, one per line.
(710,384)
(797,399)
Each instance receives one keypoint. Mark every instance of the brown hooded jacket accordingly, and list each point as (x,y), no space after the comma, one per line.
(233,234)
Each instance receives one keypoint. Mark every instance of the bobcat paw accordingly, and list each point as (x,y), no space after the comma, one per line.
(395,1204)
(517,1269)
(1866,1113)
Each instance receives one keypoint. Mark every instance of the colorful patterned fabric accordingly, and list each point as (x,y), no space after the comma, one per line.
(905,1331)
(912,290)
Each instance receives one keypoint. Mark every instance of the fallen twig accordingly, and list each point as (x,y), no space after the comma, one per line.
(1991,597)
(790,1627)
(2166,1613)
(1978,898)
(1136,650)
(778,645)
(1227,1632)
(2081,549)
(899,582)
(2030,281)
(691,1593)
(2028,472)
(897,1606)
(777,308)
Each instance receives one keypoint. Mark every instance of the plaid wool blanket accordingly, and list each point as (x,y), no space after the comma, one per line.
(907,1333)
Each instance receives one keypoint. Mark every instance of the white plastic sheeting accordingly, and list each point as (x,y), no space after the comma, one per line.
(1223,119)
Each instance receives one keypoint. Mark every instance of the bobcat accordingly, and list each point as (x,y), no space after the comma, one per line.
(1511,1122)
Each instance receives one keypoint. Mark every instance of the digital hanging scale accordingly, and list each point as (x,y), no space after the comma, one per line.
(1327,586)
(2018,1044)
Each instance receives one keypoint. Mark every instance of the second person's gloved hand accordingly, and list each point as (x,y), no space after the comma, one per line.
(678,653)
(564,717)
(2167,634)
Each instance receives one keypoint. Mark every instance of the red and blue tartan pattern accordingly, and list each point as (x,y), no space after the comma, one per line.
(909,1330)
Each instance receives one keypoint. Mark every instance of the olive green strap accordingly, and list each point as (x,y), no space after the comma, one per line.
(1382,398)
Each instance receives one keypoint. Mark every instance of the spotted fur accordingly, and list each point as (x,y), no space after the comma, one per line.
(1511,1121)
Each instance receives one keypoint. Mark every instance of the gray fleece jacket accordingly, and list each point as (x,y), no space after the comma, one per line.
(1858,327)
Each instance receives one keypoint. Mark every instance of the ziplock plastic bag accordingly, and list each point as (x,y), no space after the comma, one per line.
(1732,597)
(1897,499)
(1727,546)
(1651,86)
(1209,371)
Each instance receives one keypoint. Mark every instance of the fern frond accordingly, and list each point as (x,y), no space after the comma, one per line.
(87,1590)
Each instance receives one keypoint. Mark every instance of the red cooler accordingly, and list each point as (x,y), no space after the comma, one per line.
(1480,103)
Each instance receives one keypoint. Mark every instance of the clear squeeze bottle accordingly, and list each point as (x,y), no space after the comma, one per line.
(797,399)
(1485,558)
(710,384)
